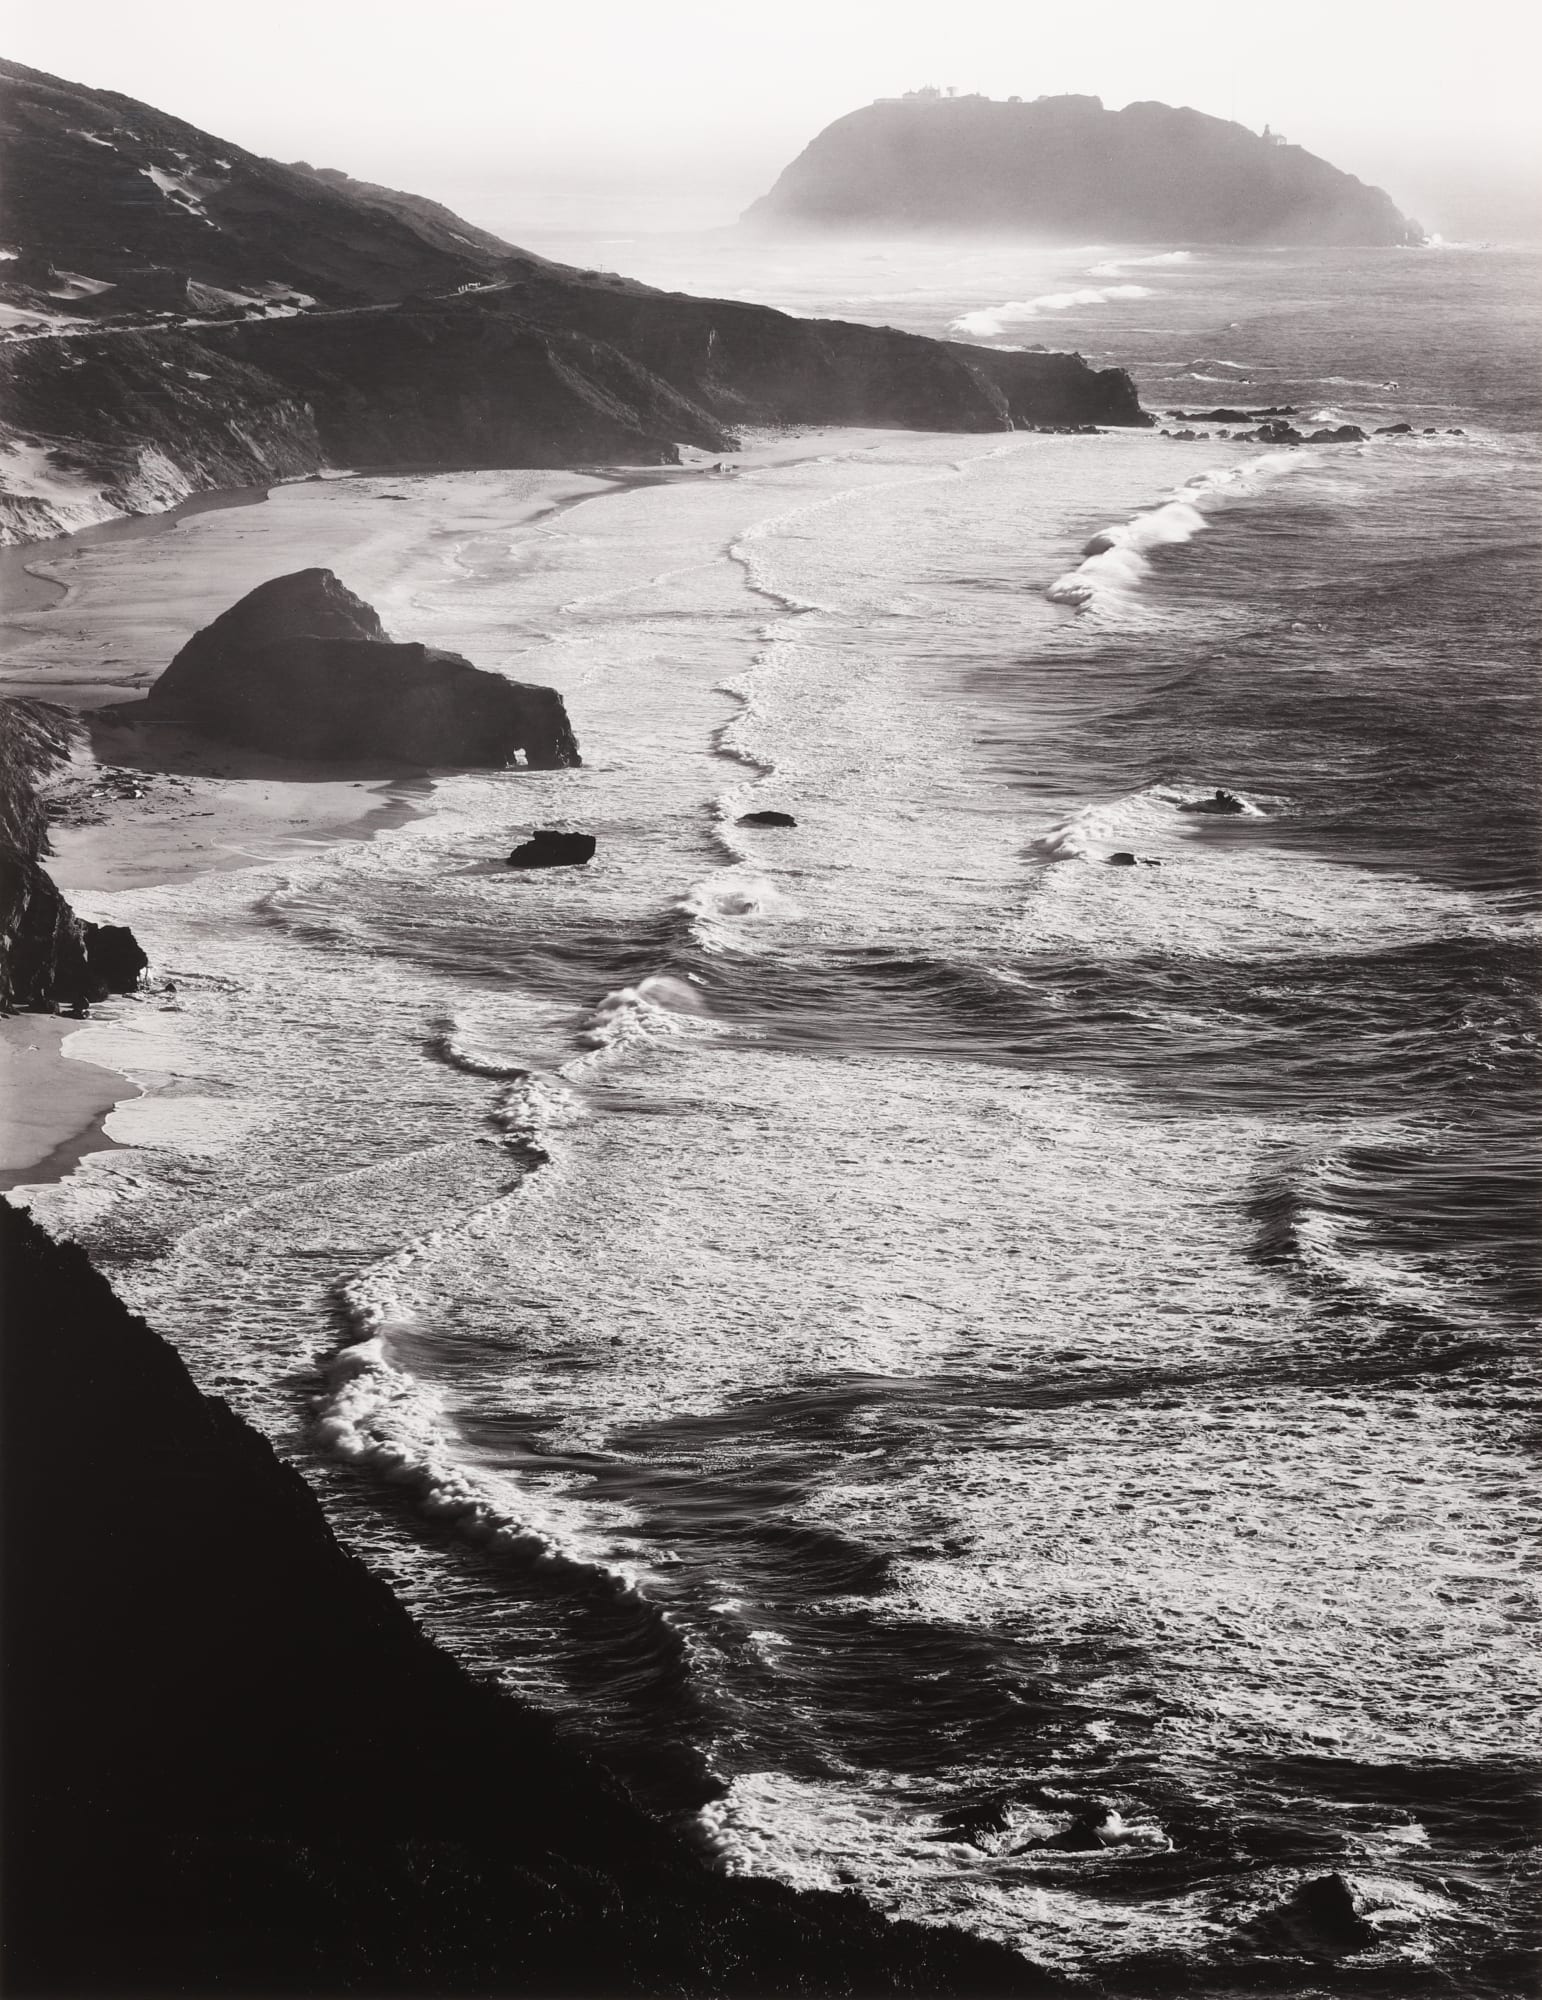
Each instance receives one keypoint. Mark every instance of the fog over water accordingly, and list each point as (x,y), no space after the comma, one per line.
(679,114)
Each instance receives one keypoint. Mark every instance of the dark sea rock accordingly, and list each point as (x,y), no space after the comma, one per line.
(549,848)
(1344,434)
(300,667)
(114,957)
(1065,167)
(1395,430)
(1276,431)
(234,1764)
(48,956)
(1322,1918)
(766,818)
(1221,802)
(1232,416)
(1121,861)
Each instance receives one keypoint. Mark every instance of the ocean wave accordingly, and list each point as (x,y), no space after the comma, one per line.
(662,1004)
(720,906)
(1115,564)
(1142,818)
(1114,265)
(377,1414)
(991,320)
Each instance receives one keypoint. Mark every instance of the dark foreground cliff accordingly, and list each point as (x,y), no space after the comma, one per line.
(49,957)
(1067,168)
(232,1764)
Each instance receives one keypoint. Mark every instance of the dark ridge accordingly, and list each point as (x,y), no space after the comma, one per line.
(1065,167)
(233,1764)
(262,321)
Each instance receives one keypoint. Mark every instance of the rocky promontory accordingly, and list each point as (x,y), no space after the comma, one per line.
(188,317)
(49,957)
(1067,168)
(301,667)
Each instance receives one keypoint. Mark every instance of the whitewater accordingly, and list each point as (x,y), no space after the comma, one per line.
(977,1347)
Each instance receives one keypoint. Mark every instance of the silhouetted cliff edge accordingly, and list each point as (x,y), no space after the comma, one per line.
(232,1763)
(1064,167)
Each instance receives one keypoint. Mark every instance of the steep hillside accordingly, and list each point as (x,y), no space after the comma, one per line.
(106,190)
(1064,167)
(184,316)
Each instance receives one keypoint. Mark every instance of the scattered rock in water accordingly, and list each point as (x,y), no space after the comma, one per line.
(1323,1917)
(1395,430)
(1344,434)
(766,818)
(1455,431)
(1121,861)
(1276,431)
(1221,802)
(547,847)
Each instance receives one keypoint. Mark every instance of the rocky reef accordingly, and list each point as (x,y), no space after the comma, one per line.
(233,1764)
(301,667)
(1067,168)
(49,957)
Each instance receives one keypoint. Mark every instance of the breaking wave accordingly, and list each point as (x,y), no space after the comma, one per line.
(991,320)
(1115,562)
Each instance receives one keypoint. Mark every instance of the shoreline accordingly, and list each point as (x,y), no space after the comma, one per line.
(195,806)
(56,1105)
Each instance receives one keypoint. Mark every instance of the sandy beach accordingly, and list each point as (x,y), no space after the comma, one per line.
(90,620)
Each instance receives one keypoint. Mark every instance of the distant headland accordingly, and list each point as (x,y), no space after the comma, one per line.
(1064,167)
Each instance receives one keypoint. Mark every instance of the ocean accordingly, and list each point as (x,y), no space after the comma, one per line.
(969,1371)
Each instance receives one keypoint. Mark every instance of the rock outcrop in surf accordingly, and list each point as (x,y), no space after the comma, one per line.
(1065,167)
(49,957)
(549,847)
(301,667)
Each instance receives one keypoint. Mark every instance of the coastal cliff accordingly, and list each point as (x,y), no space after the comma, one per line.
(186,317)
(49,957)
(233,1764)
(1066,168)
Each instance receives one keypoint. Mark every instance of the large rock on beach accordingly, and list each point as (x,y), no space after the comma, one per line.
(301,667)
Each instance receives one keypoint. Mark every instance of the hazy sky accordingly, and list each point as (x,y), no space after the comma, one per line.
(606,110)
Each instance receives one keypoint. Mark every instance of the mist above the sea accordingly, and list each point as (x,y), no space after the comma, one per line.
(676,116)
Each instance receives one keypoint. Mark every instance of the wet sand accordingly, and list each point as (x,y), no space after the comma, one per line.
(53,1108)
(90,620)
